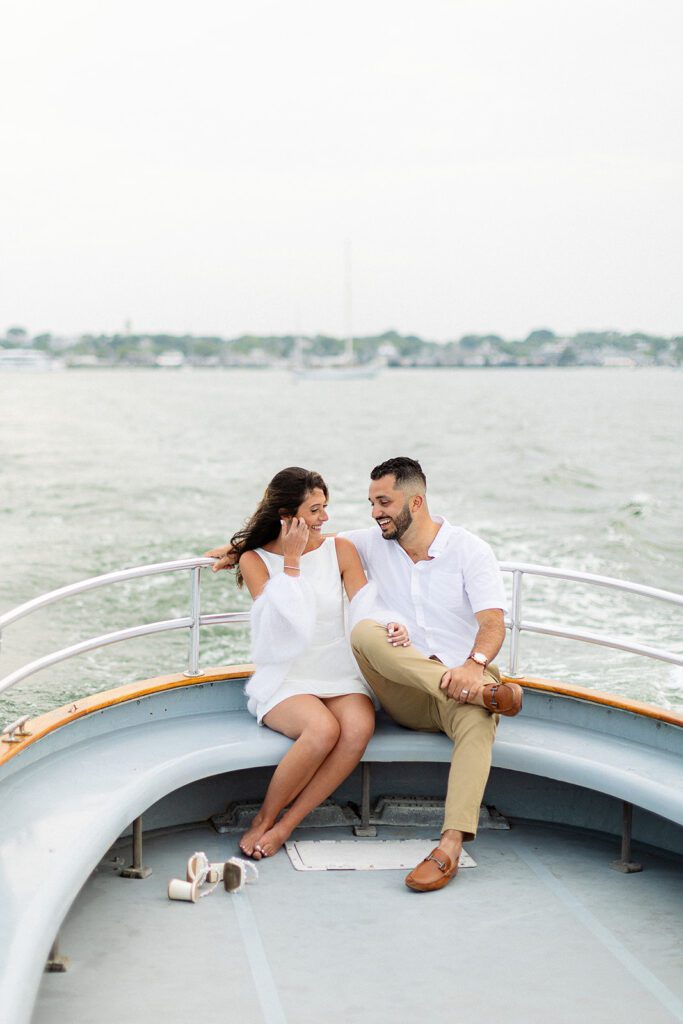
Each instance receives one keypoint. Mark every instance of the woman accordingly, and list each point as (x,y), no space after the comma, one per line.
(306,685)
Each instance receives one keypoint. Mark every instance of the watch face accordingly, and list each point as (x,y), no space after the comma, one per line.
(480,658)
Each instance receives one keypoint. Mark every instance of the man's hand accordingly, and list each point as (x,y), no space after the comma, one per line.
(225,555)
(463,683)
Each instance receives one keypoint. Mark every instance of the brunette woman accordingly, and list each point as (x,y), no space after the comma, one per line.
(306,685)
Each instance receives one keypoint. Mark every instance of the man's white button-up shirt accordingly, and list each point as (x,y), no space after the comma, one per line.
(436,598)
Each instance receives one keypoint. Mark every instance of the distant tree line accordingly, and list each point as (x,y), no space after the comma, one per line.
(541,347)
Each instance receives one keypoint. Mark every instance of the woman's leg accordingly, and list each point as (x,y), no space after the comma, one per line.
(316,730)
(356,717)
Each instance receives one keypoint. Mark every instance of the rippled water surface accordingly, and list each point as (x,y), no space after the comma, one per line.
(105,469)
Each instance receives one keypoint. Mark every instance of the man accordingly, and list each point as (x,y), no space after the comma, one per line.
(445,585)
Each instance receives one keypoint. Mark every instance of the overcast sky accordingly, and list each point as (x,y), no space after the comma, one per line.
(498,165)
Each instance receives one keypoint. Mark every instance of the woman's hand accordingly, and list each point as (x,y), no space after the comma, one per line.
(227,559)
(294,537)
(397,635)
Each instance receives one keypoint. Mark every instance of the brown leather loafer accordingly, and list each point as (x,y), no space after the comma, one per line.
(433,872)
(503,698)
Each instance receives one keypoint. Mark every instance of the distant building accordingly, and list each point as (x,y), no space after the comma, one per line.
(171,360)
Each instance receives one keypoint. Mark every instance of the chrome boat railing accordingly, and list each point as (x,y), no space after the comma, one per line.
(517,625)
(194,620)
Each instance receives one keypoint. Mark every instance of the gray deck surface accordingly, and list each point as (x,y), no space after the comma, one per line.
(542,930)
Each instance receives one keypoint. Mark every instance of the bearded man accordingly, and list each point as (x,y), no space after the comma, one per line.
(445,584)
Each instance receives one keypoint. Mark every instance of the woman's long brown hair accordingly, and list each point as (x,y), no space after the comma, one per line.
(283,496)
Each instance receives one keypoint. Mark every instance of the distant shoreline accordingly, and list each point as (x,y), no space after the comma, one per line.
(391,350)
(58,367)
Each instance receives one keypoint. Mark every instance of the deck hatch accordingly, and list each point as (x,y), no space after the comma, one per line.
(363,855)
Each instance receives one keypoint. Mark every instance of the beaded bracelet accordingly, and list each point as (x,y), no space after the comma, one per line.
(294,567)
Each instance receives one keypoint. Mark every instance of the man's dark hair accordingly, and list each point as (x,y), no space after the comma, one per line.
(403,469)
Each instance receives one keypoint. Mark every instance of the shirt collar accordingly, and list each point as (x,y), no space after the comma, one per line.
(440,542)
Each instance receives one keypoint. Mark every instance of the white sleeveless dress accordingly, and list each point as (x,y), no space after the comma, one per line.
(327,668)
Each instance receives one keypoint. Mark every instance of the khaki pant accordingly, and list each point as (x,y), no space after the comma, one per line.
(406,684)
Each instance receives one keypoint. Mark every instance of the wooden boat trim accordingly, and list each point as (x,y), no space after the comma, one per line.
(52,720)
(611,700)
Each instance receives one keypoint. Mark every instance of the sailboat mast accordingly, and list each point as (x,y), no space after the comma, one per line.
(348,301)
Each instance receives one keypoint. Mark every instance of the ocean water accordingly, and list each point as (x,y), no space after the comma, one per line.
(99,470)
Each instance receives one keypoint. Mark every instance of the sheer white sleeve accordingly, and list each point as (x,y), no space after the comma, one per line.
(367,605)
(282,624)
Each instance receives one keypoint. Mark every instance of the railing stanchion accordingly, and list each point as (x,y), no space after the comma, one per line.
(56,963)
(516,614)
(193,653)
(625,865)
(137,869)
(365,829)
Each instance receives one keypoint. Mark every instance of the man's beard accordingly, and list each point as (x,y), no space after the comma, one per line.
(401,522)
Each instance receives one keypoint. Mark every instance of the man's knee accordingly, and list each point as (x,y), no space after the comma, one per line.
(365,635)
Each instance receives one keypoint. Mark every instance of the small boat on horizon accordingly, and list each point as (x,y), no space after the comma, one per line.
(344,367)
(27,359)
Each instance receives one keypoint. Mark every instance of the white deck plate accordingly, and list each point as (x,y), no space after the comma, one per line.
(363,855)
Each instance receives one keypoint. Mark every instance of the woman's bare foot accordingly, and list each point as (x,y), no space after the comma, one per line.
(249,843)
(271,841)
